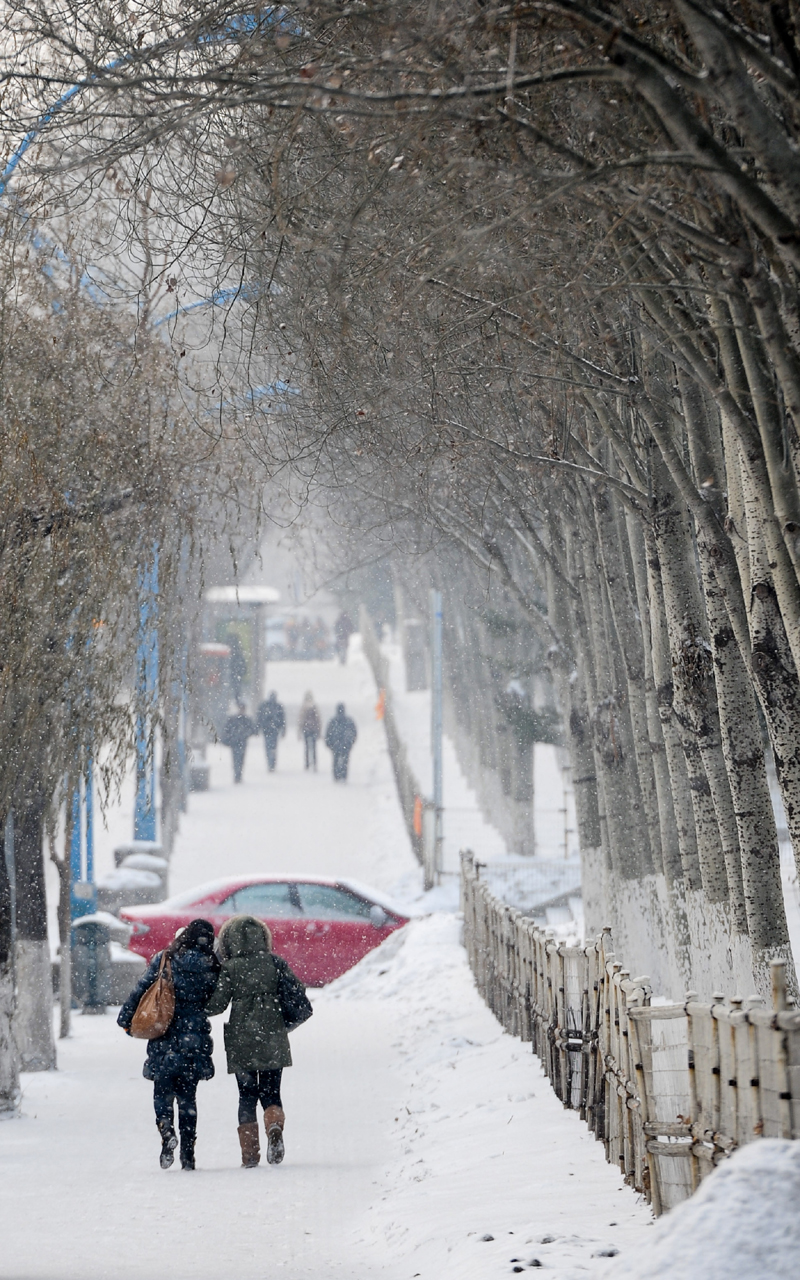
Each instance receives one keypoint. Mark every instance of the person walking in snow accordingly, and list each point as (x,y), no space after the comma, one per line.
(343,629)
(238,728)
(340,736)
(308,728)
(271,721)
(237,669)
(177,1061)
(256,1036)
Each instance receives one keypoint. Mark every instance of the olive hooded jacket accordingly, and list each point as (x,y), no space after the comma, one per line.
(255,1037)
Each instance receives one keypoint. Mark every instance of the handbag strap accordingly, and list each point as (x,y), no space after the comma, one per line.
(165,960)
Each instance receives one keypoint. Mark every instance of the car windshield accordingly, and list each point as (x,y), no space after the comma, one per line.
(324,902)
(273,900)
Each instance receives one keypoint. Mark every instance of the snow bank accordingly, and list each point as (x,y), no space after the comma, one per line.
(744,1221)
(129,878)
(485,1173)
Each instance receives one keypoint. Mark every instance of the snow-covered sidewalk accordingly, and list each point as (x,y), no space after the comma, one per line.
(484,1170)
(416,1130)
(416,1127)
(83,1197)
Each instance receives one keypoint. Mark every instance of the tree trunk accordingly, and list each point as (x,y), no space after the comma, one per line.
(616,572)
(744,756)
(773,669)
(627,830)
(672,784)
(9,1056)
(691,671)
(33,1019)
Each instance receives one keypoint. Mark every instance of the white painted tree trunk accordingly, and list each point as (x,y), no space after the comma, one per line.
(9,1057)
(33,1017)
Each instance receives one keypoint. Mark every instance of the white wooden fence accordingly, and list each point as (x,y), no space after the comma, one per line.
(670,1089)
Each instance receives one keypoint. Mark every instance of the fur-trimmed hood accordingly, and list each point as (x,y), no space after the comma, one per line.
(243,936)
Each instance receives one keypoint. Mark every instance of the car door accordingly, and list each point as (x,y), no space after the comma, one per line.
(339,931)
(276,903)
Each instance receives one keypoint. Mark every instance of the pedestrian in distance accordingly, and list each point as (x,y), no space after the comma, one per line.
(309,727)
(254,981)
(340,736)
(343,629)
(238,728)
(178,1060)
(271,722)
(237,669)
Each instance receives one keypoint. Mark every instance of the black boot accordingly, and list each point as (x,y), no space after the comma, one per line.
(168,1144)
(187,1151)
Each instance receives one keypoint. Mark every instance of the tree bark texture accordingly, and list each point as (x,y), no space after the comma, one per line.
(9,1054)
(33,1019)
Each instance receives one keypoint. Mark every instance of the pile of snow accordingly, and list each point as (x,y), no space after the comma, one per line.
(117,928)
(744,1221)
(129,878)
(486,1174)
(145,862)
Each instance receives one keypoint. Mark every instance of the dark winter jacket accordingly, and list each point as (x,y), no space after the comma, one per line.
(237,730)
(255,1037)
(186,1047)
(309,722)
(271,719)
(341,733)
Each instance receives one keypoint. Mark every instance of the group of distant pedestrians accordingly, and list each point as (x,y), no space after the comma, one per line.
(270,722)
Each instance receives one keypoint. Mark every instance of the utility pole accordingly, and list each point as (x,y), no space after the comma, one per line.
(436,724)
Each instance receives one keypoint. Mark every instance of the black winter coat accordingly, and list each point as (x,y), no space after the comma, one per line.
(186,1047)
(237,730)
(271,719)
(340,735)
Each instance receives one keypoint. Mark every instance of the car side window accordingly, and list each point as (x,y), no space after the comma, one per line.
(323,902)
(270,901)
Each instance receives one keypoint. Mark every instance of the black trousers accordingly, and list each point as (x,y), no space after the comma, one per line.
(271,748)
(168,1089)
(340,761)
(255,1087)
(238,760)
(310,740)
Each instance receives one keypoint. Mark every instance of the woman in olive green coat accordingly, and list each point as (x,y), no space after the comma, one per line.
(256,1039)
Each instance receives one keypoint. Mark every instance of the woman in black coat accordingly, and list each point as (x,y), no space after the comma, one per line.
(177,1061)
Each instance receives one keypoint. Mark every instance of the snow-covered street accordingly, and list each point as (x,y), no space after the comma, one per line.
(415,1127)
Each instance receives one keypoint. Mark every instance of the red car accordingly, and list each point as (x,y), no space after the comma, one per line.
(322,927)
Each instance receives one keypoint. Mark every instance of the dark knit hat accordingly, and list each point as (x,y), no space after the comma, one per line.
(198,935)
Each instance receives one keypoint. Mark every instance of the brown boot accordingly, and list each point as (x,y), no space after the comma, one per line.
(248,1141)
(274,1120)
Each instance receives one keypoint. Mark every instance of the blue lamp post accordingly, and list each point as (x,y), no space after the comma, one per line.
(83,892)
(144,814)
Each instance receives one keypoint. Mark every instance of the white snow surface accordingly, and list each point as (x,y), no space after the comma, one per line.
(415,1128)
(479,1145)
(415,1125)
(743,1222)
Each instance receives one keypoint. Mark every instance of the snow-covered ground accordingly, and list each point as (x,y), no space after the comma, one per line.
(742,1222)
(465,826)
(416,1127)
(485,1172)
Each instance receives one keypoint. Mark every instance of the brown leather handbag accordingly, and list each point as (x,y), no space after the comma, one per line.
(156,1009)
